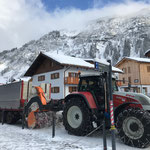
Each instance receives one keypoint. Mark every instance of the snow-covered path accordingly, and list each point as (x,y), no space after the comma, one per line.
(12,137)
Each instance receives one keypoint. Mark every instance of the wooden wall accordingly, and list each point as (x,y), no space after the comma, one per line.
(145,73)
(134,72)
(48,65)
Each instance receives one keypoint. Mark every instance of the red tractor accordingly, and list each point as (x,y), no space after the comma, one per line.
(87,106)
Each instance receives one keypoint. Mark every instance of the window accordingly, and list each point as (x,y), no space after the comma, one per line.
(148,68)
(124,70)
(41,78)
(72,74)
(123,79)
(55,89)
(129,71)
(55,76)
(73,89)
(136,81)
(144,90)
(129,79)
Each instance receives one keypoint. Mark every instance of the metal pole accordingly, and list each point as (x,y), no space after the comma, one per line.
(111,108)
(104,120)
(104,135)
(53,127)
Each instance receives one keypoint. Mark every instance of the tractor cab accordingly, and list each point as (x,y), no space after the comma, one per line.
(95,85)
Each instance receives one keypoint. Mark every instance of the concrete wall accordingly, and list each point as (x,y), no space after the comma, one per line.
(54,82)
(64,89)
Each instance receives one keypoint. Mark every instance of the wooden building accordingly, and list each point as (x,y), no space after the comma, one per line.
(136,73)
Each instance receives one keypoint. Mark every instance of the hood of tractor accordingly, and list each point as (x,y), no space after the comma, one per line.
(143,99)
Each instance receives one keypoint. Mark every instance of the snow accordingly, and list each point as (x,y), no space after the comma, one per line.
(14,138)
(68,60)
(2,80)
(139,59)
(103,61)
(147,51)
(2,67)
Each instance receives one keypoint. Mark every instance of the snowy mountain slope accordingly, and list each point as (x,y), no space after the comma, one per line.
(111,37)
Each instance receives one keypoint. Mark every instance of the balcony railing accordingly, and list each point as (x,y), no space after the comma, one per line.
(71,80)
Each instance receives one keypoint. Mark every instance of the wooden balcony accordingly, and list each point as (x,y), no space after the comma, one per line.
(71,80)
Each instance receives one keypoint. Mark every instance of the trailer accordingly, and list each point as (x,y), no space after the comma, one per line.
(14,97)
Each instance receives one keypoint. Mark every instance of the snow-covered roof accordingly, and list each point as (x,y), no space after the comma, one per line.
(68,60)
(104,62)
(144,60)
(147,51)
(139,59)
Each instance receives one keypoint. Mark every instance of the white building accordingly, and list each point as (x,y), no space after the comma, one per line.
(61,71)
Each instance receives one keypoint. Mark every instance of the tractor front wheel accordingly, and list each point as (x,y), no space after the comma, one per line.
(77,117)
(133,127)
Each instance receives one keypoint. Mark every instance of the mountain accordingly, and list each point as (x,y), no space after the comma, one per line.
(109,37)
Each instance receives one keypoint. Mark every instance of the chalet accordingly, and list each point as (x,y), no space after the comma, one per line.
(59,70)
(136,73)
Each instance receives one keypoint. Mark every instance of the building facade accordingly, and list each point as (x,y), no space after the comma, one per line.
(136,74)
(62,72)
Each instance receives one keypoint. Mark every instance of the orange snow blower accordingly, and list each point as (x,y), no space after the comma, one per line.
(37,112)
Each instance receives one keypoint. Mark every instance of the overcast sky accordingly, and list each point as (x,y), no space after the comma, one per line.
(25,20)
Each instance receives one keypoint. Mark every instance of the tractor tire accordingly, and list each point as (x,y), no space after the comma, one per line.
(77,117)
(133,127)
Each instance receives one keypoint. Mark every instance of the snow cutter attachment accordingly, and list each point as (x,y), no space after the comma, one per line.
(37,110)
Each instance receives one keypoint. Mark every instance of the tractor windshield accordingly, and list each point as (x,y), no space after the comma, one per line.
(91,83)
(94,83)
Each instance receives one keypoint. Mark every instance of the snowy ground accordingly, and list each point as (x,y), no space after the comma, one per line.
(12,137)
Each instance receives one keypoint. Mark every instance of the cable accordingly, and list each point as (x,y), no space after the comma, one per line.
(87,134)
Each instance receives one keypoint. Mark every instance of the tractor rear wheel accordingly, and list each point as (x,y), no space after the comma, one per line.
(77,117)
(133,127)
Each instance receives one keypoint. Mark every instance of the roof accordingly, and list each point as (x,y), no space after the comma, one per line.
(68,60)
(60,59)
(144,60)
(148,51)
(139,59)
(104,62)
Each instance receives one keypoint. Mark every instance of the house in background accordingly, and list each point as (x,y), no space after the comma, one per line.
(136,72)
(61,71)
